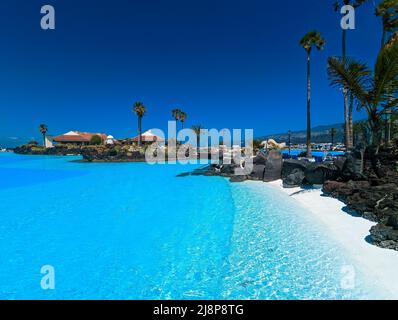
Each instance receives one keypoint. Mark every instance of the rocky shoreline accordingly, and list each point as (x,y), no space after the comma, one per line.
(371,192)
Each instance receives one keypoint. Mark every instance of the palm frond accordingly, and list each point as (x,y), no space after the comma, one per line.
(386,72)
(350,74)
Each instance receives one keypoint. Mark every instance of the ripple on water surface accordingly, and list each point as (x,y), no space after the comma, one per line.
(279,252)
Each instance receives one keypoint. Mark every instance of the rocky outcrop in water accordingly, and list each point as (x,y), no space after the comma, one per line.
(265,168)
(34,149)
(99,153)
(112,154)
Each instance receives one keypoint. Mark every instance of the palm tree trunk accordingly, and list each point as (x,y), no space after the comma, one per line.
(350,121)
(347,137)
(383,37)
(44,139)
(308,154)
(139,130)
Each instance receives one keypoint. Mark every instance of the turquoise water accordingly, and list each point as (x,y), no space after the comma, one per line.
(136,231)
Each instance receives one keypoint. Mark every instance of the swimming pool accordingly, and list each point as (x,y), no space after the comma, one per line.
(137,231)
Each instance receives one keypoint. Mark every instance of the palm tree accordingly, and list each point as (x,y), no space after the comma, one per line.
(183,117)
(360,132)
(196,129)
(175,113)
(43,130)
(347,114)
(388,11)
(310,40)
(375,91)
(139,109)
(360,71)
(333,132)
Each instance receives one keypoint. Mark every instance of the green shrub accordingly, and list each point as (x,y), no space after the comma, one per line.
(33,143)
(95,140)
(257,144)
(302,154)
(37,148)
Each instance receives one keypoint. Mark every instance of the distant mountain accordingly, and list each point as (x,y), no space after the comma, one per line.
(12,142)
(319,134)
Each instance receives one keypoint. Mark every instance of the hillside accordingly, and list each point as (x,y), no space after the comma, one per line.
(319,134)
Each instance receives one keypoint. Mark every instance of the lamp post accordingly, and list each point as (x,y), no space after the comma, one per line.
(290,135)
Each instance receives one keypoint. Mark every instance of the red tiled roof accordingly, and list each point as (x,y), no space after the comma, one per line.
(145,138)
(79,137)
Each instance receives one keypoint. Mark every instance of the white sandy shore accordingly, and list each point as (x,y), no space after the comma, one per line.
(380,265)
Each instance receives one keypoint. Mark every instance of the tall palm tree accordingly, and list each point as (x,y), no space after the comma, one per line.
(196,129)
(43,130)
(376,91)
(183,117)
(310,40)
(347,115)
(333,132)
(175,113)
(139,109)
(388,11)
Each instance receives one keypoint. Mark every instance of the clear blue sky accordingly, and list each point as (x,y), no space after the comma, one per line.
(226,63)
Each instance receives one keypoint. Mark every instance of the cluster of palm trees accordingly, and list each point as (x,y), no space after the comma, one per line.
(177,114)
(372,90)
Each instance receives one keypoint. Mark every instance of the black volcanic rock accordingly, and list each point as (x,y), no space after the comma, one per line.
(293,172)
(318,173)
(260,159)
(374,194)
(111,154)
(61,150)
(294,179)
(238,178)
(273,167)
(258,172)
(384,236)
(290,164)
